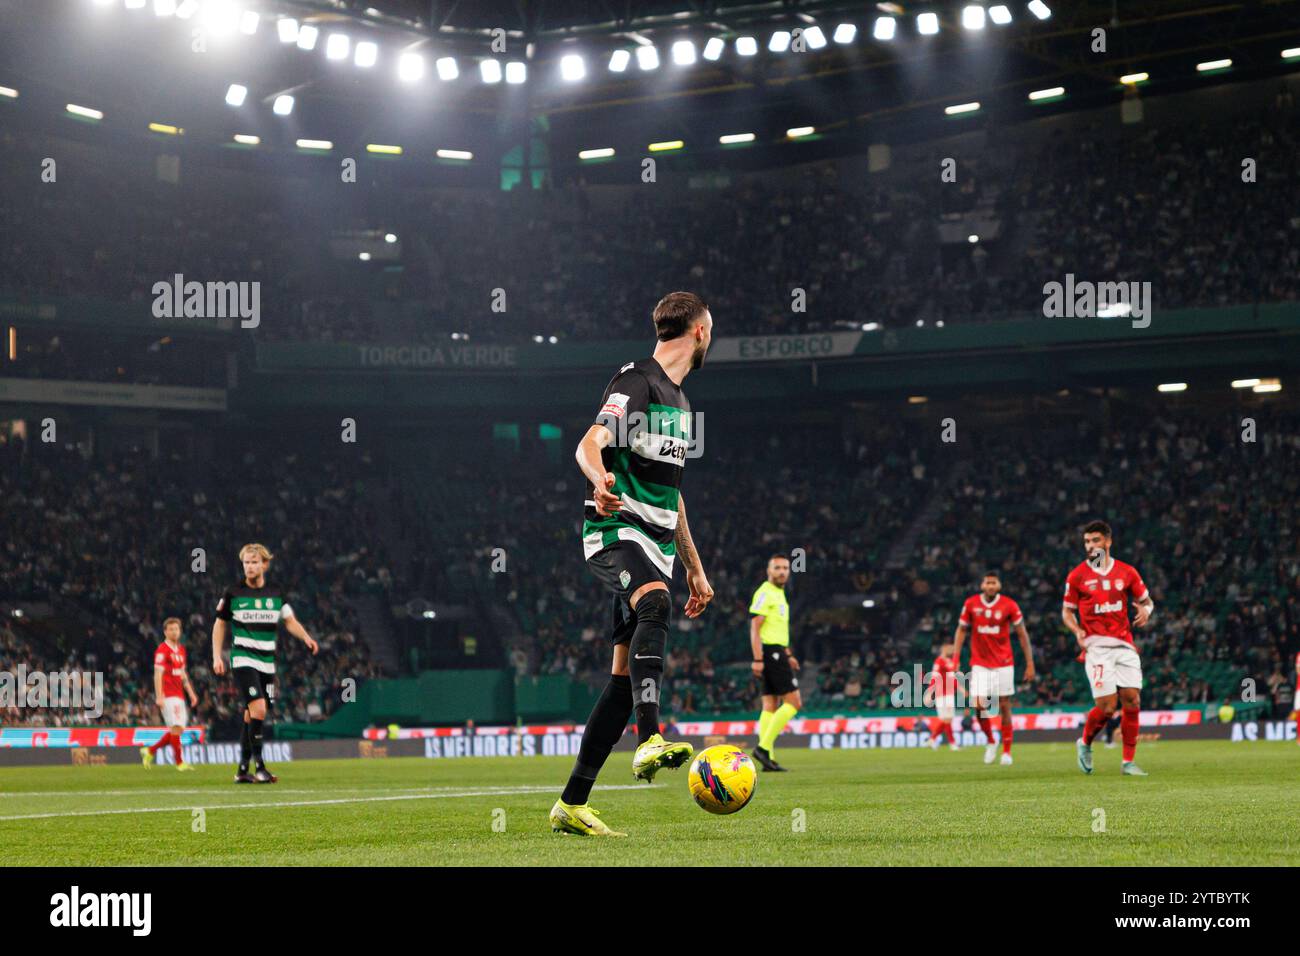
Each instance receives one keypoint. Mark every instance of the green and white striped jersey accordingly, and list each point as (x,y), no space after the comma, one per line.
(651,421)
(254,616)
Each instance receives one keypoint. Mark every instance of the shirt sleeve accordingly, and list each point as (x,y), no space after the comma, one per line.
(160,657)
(1137,587)
(965,614)
(286,611)
(1016,616)
(223,608)
(627,395)
(759,602)
(1072,593)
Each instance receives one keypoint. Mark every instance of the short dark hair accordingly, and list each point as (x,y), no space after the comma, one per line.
(991,574)
(1097,526)
(674,314)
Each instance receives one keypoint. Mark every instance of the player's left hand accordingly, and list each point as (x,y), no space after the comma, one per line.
(194,701)
(312,645)
(701,593)
(1141,616)
(1030,673)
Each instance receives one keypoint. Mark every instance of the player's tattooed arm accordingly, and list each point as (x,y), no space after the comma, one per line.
(696,579)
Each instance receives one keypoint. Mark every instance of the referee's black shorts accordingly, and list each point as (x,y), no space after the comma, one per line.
(778,676)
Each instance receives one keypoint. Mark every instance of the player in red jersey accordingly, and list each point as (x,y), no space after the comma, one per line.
(1295,701)
(943,688)
(1097,596)
(171,684)
(990,616)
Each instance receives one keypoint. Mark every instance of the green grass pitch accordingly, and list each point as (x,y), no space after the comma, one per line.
(1205,803)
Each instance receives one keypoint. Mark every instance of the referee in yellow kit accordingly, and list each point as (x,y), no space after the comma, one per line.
(774,665)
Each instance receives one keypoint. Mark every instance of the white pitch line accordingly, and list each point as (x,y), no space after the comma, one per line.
(497,792)
(167,790)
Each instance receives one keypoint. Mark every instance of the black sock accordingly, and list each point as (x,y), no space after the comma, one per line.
(255,737)
(646,660)
(606,724)
(245,748)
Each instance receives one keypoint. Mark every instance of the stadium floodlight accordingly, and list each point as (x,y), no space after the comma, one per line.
(885,28)
(1267,385)
(667,146)
(1000,14)
(746,46)
(390,237)
(845,32)
(337,46)
(1245,382)
(364,256)
(516,72)
(187,9)
(572,67)
(286,28)
(166,129)
(410,67)
(713,48)
(248,22)
(134,4)
(102,3)
(961,108)
(779,41)
(236,95)
(1133,79)
(973,239)
(164,8)
(8,92)
(447,68)
(730,139)
(489,70)
(462,154)
(220,17)
(799,132)
(320,144)
(1213,66)
(1172,387)
(366,54)
(683,52)
(1051,93)
(972,17)
(916,399)
(307,35)
(1040,9)
(1291,53)
(603,152)
(815,38)
(927,24)
(84,111)
(647,57)
(283,105)
(383,149)
(618,61)
(247,139)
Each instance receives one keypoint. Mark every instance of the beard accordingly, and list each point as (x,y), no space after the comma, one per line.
(1096,558)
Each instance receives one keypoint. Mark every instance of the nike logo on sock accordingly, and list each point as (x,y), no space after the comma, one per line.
(647,657)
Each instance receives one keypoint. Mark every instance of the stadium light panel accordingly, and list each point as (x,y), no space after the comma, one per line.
(187,9)
(1040,9)
(1291,53)
(647,57)
(714,47)
(746,46)
(1213,66)
(972,17)
(733,138)
(166,129)
(973,239)
(366,54)
(286,28)
(516,72)
(135,4)
(1245,382)
(84,111)
(844,33)
(410,67)
(364,256)
(603,152)
(885,28)
(390,237)
(236,95)
(337,46)
(961,108)
(307,35)
(779,41)
(815,38)
(247,139)
(667,146)
(1051,93)
(1172,387)
(927,24)
(799,132)
(102,3)
(489,70)
(447,68)
(283,105)
(1132,79)
(321,144)
(462,154)
(683,52)
(1268,385)
(220,17)
(383,149)
(1000,14)
(618,61)
(164,8)
(248,22)
(572,68)
(8,92)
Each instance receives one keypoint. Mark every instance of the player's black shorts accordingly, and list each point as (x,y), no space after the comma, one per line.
(254,685)
(622,568)
(778,676)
